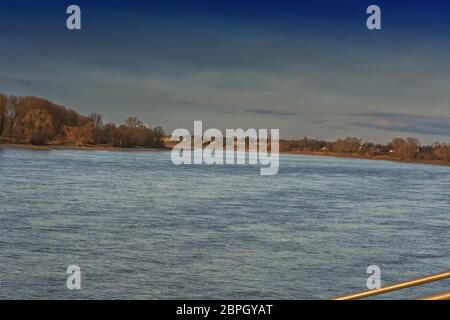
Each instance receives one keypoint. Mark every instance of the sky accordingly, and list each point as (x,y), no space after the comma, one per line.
(309,68)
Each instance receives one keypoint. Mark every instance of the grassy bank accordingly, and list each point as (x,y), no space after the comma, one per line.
(357,156)
(84,148)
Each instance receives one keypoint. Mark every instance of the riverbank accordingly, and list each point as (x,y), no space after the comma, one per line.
(358,156)
(305,153)
(83,148)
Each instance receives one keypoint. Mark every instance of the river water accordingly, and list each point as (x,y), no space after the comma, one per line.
(140,227)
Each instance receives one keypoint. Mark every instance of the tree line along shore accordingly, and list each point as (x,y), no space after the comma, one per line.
(37,121)
(33,121)
(399,149)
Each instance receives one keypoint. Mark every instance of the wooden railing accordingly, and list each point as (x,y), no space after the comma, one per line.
(402,285)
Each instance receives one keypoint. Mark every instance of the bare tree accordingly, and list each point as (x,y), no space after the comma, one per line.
(347,145)
(133,122)
(3,102)
(96,119)
(405,149)
(13,113)
(37,126)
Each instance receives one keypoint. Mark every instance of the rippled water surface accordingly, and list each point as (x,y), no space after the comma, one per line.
(140,227)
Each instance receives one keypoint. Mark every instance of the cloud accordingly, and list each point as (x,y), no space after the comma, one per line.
(269,112)
(403,122)
(319,121)
(12,80)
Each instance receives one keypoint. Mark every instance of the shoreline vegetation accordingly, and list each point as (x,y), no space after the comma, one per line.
(37,124)
(137,149)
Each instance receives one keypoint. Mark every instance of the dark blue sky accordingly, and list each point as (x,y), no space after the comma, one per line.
(306,67)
